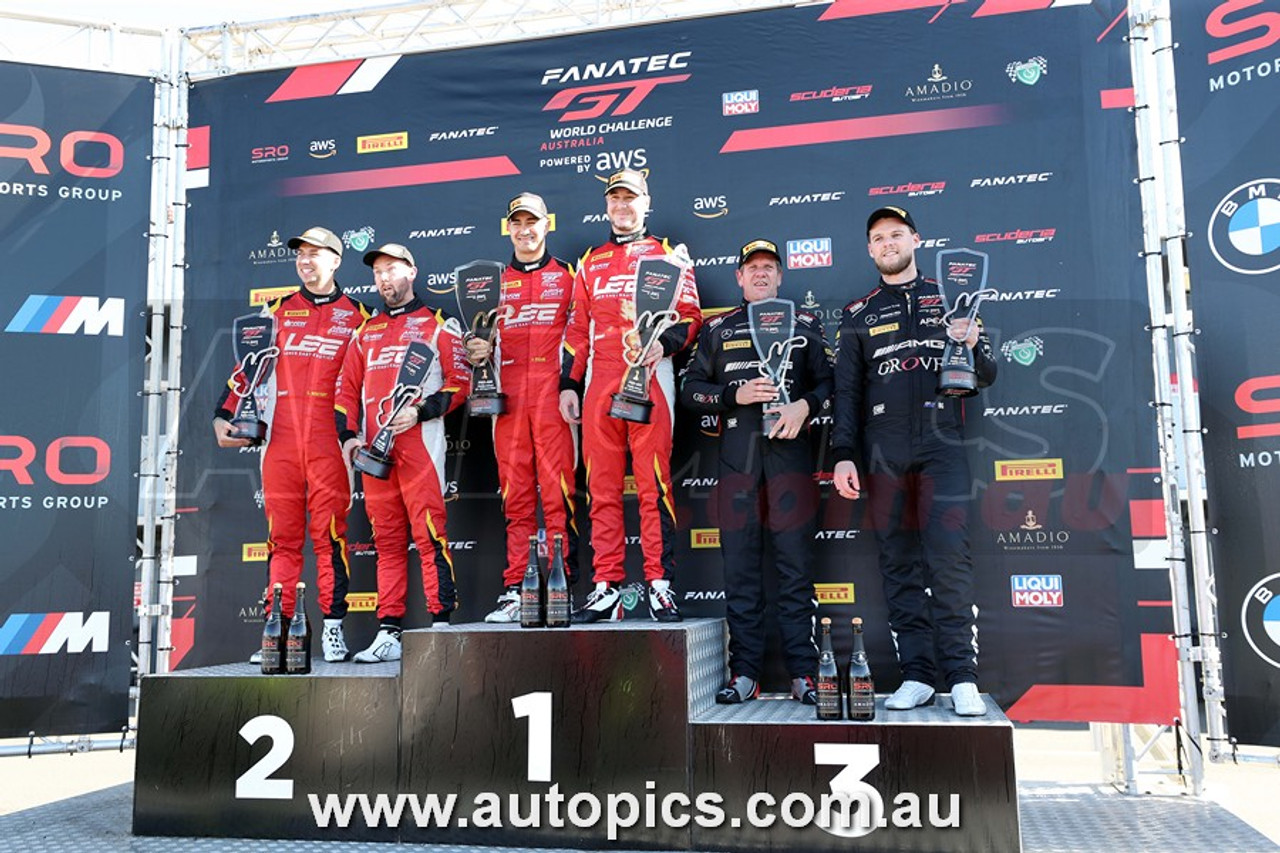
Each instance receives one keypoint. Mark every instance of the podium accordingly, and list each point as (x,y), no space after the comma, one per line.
(589,737)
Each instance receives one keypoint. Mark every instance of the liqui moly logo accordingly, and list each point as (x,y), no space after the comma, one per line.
(809,252)
(1037,590)
(740,103)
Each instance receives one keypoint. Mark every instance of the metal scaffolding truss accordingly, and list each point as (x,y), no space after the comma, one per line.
(92,45)
(415,27)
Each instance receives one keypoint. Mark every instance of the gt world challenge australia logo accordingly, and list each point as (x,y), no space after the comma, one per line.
(1244,230)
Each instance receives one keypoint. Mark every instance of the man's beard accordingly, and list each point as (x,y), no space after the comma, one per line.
(894,267)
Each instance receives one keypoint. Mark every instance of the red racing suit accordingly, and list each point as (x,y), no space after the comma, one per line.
(536,450)
(411,500)
(305,483)
(602,312)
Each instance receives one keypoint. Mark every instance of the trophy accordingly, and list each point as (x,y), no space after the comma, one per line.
(254,339)
(966,271)
(773,324)
(656,288)
(375,460)
(479,292)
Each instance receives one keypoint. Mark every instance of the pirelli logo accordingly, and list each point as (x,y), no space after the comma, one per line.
(382,142)
(263,295)
(704,537)
(1028,469)
(834,593)
(736,344)
(362,602)
(880,330)
(253,552)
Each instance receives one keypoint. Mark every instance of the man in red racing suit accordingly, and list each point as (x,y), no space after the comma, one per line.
(411,500)
(305,485)
(601,315)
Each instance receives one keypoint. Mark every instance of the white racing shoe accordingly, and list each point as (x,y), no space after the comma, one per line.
(385,647)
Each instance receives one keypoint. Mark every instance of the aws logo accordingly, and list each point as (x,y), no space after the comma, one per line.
(711,207)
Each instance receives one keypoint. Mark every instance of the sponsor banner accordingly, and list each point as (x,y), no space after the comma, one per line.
(975,134)
(74,197)
(1228,81)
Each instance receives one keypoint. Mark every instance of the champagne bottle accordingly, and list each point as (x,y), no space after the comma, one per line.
(297,644)
(531,590)
(557,588)
(828,678)
(861,698)
(273,635)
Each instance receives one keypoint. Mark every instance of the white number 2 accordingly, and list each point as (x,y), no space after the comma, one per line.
(255,783)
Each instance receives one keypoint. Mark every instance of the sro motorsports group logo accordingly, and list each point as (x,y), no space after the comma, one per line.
(1260,619)
(1244,230)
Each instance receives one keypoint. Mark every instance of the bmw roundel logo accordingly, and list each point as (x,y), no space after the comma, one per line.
(1244,230)
(1260,619)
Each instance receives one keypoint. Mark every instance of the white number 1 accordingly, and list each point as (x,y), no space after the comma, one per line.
(537,707)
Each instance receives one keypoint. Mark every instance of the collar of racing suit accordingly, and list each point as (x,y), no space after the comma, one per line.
(412,305)
(321,299)
(530,266)
(906,285)
(629,238)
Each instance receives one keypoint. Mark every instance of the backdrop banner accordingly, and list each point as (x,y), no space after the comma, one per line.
(74,199)
(1228,90)
(1003,131)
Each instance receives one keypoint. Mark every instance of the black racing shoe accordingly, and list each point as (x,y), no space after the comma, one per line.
(804,690)
(739,689)
(662,604)
(602,605)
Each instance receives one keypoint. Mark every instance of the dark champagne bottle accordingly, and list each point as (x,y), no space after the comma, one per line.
(861,698)
(273,635)
(531,590)
(297,644)
(557,588)
(828,678)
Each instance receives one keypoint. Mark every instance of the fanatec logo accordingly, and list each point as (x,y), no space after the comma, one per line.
(1010,180)
(620,97)
(806,198)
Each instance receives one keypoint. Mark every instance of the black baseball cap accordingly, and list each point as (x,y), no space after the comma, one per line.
(759,245)
(889,211)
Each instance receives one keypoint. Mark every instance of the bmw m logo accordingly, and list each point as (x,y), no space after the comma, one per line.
(1244,231)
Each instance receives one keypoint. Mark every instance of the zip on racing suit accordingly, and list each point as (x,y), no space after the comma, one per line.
(602,312)
(411,501)
(915,470)
(306,486)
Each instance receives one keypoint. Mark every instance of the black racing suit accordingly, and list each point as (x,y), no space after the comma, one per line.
(914,470)
(764,484)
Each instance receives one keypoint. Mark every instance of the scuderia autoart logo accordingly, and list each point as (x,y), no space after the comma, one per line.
(1260,619)
(1244,230)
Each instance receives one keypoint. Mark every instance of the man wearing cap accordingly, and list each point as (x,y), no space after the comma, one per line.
(601,316)
(765,480)
(535,448)
(887,407)
(410,502)
(305,485)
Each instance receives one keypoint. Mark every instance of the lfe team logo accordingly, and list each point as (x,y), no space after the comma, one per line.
(1260,618)
(1244,230)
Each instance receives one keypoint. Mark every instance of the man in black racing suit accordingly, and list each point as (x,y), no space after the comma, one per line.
(889,351)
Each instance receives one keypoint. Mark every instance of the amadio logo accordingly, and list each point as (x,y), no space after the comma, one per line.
(67,315)
(50,633)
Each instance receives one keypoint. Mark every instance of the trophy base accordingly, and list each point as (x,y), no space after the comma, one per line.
(630,409)
(957,382)
(768,421)
(374,466)
(254,431)
(487,405)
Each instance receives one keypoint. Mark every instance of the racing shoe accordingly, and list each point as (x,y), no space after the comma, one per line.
(334,642)
(965,700)
(256,658)
(603,604)
(508,609)
(662,602)
(739,689)
(385,647)
(910,695)
(804,690)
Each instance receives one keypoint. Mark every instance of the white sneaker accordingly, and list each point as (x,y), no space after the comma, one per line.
(334,642)
(256,658)
(604,603)
(385,647)
(508,609)
(911,694)
(966,701)
(662,602)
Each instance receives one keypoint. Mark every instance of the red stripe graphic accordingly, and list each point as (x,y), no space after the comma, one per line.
(60,314)
(400,176)
(873,127)
(1117,99)
(38,639)
(315,81)
(198,147)
(859,8)
(1146,518)
(1008,7)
